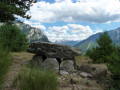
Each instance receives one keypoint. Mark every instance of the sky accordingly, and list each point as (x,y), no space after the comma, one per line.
(74,19)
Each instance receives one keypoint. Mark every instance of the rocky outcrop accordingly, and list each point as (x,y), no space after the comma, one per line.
(53,50)
(62,59)
(32,33)
(96,73)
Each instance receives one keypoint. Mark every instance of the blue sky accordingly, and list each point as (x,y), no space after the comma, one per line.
(74,19)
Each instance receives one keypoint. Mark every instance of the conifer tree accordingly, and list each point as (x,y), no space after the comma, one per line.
(106,46)
(104,49)
(10,8)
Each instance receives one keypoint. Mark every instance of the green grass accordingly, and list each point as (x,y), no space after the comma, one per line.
(5,62)
(36,79)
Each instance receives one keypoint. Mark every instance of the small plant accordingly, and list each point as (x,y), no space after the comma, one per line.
(36,79)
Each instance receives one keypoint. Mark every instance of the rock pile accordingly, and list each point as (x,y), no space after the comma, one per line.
(62,59)
(49,55)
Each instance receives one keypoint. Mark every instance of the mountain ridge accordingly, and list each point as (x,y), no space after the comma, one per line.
(32,33)
(114,34)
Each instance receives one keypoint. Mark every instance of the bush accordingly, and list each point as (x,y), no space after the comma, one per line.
(5,62)
(12,37)
(36,79)
(114,67)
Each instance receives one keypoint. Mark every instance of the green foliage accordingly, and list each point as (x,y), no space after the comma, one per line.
(13,38)
(10,8)
(36,79)
(114,67)
(5,62)
(104,49)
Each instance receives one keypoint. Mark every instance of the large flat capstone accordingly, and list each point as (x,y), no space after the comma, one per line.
(53,50)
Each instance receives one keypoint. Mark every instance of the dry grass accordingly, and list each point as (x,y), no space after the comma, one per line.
(82,60)
(86,60)
(24,55)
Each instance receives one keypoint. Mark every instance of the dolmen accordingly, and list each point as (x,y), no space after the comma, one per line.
(58,56)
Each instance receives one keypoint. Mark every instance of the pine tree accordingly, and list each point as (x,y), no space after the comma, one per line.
(11,37)
(104,49)
(10,8)
(106,46)
(114,68)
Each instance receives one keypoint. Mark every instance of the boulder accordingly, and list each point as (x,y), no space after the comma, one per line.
(86,68)
(51,63)
(86,75)
(67,65)
(99,74)
(96,73)
(62,72)
(51,50)
(37,60)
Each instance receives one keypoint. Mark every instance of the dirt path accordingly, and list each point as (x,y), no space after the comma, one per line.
(19,59)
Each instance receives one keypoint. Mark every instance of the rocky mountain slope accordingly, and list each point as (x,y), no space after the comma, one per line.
(91,41)
(33,34)
(67,42)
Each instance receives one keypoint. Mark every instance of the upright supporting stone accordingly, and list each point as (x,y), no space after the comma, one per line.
(67,65)
(37,60)
(51,63)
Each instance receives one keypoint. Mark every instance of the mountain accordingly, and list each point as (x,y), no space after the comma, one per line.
(33,34)
(91,41)
(67,42)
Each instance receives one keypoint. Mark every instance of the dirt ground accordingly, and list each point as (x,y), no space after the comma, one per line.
(18,59)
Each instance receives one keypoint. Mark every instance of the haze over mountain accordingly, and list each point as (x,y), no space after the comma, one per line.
(91,41)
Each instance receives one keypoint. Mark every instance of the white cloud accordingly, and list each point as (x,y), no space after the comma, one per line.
(35,24)
(69,32)
(96,11)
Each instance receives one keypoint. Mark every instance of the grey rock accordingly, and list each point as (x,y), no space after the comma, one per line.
(86,68)
(63,83)
(75,80)
(62,72)
(78,87)
(67,66)
(83,74)
(99,74)
(37,60)
(53,50)
(51,63)
(86,75)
